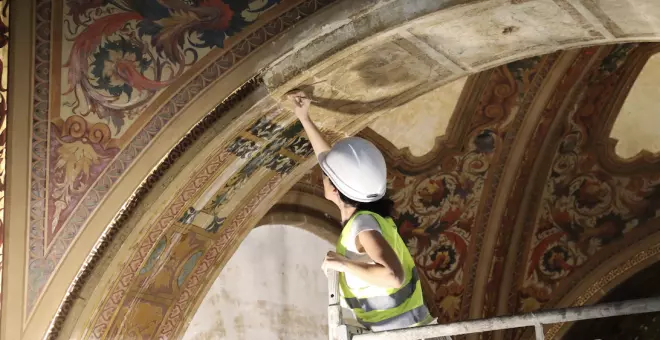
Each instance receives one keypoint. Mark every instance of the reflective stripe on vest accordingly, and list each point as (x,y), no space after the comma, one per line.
(407,319)
(379,307)
(385,302)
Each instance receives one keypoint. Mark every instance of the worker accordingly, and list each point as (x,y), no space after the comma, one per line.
(377,275)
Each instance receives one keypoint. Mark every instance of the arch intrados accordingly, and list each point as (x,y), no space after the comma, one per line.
(305,211)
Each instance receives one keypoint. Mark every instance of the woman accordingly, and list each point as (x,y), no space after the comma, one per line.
(378,278)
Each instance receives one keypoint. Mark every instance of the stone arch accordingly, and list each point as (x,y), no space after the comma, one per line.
(344,111)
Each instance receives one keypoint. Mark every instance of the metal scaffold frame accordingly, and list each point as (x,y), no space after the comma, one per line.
(339,331)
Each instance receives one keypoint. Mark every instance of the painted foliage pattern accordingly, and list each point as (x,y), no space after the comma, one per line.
(517,194)
(118,55)
(122,53)
(436,213)
(125,51)
(584,209)
(436,210)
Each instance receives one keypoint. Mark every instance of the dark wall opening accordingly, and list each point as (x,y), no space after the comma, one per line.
(644,284)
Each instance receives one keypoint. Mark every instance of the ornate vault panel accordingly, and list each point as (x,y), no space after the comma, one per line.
(106,78)
(438,210)
(588,208)
(503,223)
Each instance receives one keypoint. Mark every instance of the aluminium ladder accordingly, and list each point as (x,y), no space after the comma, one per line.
(339,331)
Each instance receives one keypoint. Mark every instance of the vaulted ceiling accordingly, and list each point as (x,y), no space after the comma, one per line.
(523,203)
(157,137)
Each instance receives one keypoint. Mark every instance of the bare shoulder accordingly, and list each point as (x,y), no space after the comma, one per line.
(365,222)
(366,230)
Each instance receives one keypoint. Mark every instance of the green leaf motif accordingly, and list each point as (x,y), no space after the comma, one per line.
(114,90)
(128,90)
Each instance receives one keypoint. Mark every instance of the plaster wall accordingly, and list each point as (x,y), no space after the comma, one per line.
(425,119)
(272,288)
(632,129)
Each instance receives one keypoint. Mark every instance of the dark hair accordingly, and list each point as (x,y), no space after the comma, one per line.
(382,207)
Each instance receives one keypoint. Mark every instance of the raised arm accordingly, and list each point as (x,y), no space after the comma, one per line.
(302,103)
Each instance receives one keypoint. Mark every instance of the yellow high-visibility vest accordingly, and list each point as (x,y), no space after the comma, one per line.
(379,308)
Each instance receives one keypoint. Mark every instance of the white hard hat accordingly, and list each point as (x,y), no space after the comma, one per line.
(356,168)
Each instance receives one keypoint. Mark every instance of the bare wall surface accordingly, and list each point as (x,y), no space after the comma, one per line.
(272,288)
(636,127)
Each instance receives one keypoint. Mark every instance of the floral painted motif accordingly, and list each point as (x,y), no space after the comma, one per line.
(215,224)
(436,212)
(124,51)
(584,208)
(243,148)
(113,57)
(79,152)
(189,216)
